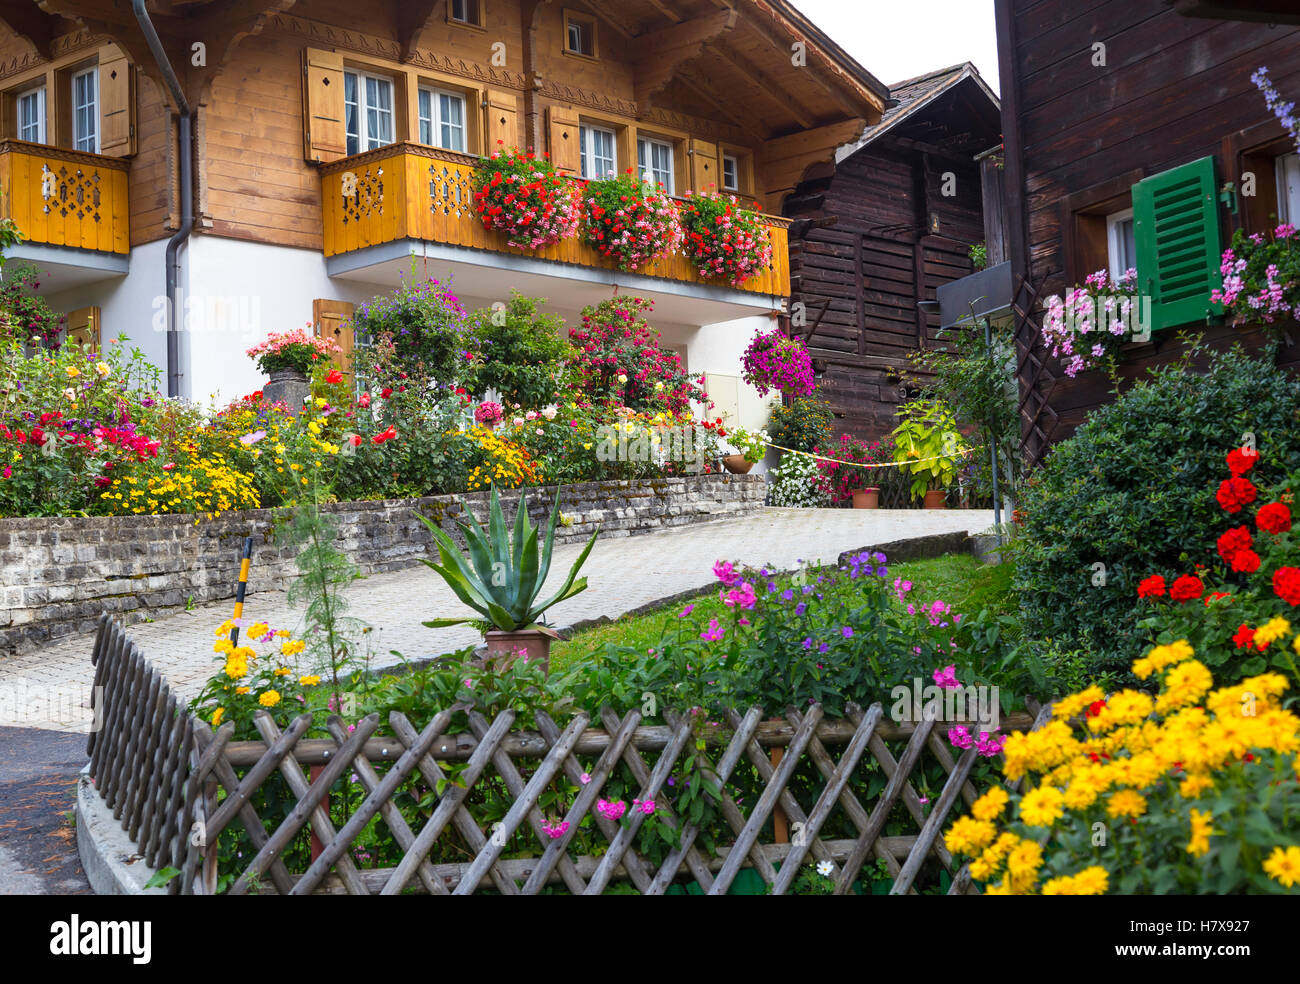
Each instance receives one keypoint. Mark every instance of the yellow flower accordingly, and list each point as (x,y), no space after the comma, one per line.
(1202,828)
(1283,865)
(269,699)
(236,668)
(1185,684)
(1075,703)
(1042,807)
(1192,786)
(1022,865)
(1090,881)
(243,690)
(217,715)
(1271,631)
(283,671)
(1126,803)
(102,368)
(991,804)
(223,646)
(968,835)
(73,372)
(1162,656)
(309,681)
(258,630)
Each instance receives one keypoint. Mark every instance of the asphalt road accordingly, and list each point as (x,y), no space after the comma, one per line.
(38,781)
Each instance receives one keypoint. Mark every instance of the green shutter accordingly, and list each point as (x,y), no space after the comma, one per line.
(1176,227)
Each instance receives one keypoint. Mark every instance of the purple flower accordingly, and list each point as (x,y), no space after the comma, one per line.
(687,610)
(800,608)
(787,594)
(847,632)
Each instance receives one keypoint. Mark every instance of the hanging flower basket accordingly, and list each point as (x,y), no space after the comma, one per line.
(724,241)
(774,362)
(631,222)
(523,196)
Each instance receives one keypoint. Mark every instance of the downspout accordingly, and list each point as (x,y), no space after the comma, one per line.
(186,179)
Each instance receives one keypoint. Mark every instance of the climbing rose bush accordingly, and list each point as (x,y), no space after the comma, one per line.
(724,241)
(630,221)
(774,362)
(525,197)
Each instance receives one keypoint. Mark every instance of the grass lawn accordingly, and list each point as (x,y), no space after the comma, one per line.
(961,580)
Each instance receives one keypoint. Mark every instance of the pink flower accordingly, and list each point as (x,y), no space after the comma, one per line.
(959,737)
(585,778)
(725,572)
(947,677)
(646,806)
(714,632)
(556,832)
(611,811)
(686,611)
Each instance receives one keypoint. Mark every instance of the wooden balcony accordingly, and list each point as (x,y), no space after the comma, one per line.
(65,198)
(408,191)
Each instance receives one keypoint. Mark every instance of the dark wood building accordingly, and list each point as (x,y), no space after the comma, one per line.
(876,231)
(1110,107)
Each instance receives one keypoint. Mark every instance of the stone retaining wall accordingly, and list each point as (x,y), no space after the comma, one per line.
(57,575)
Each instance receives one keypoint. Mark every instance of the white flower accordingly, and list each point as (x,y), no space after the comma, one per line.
(825,868)
(549,413)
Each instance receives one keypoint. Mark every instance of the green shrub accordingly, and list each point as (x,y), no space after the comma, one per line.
(1133,491)
(802,425)
(518,352)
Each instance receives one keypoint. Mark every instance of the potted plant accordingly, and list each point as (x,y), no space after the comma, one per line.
(523,196)
(848,480)
(629,221)
(750,447)
(929,441)
(725,241)
(774,362)
(502,578)
(287,358)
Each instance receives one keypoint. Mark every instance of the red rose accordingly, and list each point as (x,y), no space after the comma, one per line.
(334,377)
(1245,562)
(1233,542)
(1242,460)
(1186,588)
(1286,584)
(1151,587)
(386,392)
(1235,493)
(356,440)
(1274,518)
(1244,637)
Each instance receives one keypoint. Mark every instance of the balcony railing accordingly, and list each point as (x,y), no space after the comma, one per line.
(408,191)
(63,197)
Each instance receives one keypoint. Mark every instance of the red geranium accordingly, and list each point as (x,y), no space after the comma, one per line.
(334,377)
(1151,587)
(1274,518)
(1186,588)
(1245,562)
(1242,460)
(1233,542)
(383,436)
(1235,493)
(1244,637)
(1286,583)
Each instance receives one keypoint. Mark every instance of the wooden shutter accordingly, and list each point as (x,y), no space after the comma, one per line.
(704,165)
(82,325)
(1176,228)
(116,103)
(565,152)
(333,320)
(502,122)
(326,136)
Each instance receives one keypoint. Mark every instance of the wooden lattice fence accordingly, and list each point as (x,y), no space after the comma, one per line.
(179,788)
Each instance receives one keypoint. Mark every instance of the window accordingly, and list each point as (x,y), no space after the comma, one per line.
(596,146)
(466,11)
(579,35)
(730,173)
(85,111)
(655,158)
(1121,244)
(1288,188)
(368,111)
(31,115)
(442,119)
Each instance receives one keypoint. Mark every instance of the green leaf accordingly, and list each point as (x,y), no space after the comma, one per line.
(161,877)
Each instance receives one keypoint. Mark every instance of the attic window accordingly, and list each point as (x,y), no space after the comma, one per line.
(579,34)
(468,12)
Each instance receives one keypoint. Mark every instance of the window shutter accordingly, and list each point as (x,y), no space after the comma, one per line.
(326,136)
(116,103)
(333,320)
(82,325)
(502,122)
(704,165)
(1176,228)
(564,139)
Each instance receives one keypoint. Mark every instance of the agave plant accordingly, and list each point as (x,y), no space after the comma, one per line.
(503,575)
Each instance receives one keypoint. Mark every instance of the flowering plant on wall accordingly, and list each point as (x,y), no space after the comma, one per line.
(525,197)
(1087,328)
(843,476)
(723,240)
(774,362)
(631,221)
(291,350)
(1261,276)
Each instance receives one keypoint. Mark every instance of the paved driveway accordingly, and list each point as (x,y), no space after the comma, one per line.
(48,689)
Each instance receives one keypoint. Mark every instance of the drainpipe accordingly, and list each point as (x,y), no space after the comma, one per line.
(186,167)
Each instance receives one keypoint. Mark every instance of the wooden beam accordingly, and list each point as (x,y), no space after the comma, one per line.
(594,8)
(786,105)
(225,25)
(30,23)
(672,15)
(663,52)
(852,105)
(117,22)
(415,20)
(707,96)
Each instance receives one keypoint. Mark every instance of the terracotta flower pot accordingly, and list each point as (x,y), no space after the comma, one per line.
(936,499)
(866,498)
(737,464)
(503,648)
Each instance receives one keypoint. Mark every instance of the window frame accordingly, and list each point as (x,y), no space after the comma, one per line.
(363,110)
(479,24)
(735,162)
(586,131)
(1084,235)
(1288,196)
(435,120)
(1114,242)
(588,22)
(42,112)
(91,72)
(648,142)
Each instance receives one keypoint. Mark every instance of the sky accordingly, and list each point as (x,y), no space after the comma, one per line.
(898,39)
